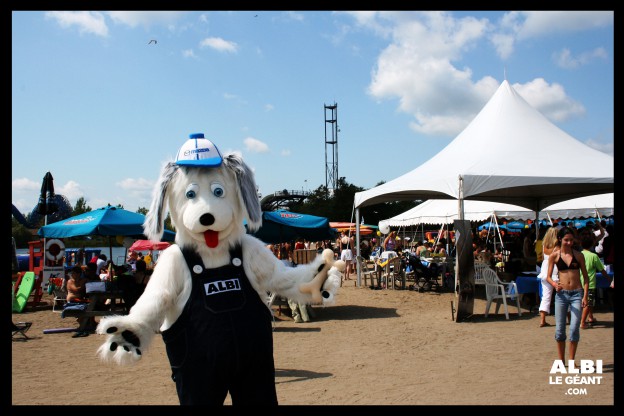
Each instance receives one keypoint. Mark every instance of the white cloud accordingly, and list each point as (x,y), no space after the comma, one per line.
(131,184)
(255,145)
(25,184)
(517,26)
(550,100)
(294,16)
(71,190)
(268,107)
(188,53)
(145,18)
(532,24)
(219,44)
(86,21)
(419,68)
(566,60)
(285,152)
(602,146)
(140,189)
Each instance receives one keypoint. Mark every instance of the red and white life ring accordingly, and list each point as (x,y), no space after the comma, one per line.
(54,249)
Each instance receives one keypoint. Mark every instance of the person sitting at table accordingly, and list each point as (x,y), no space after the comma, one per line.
(76,285)
(101,263)
(133,285)
(426,251)
(439,249)
(133,256)
(389,243)
(77,292)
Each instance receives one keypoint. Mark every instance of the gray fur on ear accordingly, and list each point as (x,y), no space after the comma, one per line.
(154,224)
(248,189)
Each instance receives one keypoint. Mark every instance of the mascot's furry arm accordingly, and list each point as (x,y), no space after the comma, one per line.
(207,207)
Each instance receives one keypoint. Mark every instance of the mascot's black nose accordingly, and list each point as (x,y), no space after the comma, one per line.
(206,219)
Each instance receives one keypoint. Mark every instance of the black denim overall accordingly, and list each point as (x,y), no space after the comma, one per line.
(223,340)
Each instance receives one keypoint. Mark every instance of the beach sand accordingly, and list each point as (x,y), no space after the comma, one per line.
(384,347)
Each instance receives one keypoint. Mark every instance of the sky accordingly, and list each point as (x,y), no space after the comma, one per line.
(103,99)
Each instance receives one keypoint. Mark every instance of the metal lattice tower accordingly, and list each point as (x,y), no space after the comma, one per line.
(331,147)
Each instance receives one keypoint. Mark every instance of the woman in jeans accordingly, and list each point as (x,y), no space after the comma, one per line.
(549,244)
(571,293)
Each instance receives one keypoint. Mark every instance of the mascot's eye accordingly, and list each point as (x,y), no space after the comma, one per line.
(191,191)
(217,190)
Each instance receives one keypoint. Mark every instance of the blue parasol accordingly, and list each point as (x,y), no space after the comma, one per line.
(490,224)
(283,226)
(107,221)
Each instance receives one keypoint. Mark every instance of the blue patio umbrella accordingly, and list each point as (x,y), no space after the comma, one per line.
(515,226)
(490,224)
(106,221)
(283,226)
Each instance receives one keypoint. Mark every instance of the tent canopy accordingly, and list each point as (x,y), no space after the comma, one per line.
(534,179)
(444,211)
(583,207)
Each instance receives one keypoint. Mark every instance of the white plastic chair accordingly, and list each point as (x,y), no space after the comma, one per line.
(497,290)
(365,271)
(479,266)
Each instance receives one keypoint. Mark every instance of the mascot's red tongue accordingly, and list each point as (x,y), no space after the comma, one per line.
(212,238)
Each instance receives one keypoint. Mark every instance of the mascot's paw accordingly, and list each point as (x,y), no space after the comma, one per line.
(330,288)
(314,287)
(123,343)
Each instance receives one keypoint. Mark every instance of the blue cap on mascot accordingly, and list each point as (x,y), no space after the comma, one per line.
(198,151)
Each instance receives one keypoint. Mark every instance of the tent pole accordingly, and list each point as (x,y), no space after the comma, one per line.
(460,212)
(500,238)
(110,248)
(357,245)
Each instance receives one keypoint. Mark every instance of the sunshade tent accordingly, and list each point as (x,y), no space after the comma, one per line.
(444,211)
(349,227)
(283,226)
(145,245)
(584,207)
(473,168)
(106,221)
(530,180)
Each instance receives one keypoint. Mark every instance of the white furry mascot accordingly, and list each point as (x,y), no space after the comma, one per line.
(207,294)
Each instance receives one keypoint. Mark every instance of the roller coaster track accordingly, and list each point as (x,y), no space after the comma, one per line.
(280,199)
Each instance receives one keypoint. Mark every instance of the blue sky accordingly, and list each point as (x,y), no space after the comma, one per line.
(102,108)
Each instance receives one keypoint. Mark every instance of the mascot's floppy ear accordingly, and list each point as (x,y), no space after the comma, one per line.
(154,224)
(248,191)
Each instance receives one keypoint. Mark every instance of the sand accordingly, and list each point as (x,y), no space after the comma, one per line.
(374,347)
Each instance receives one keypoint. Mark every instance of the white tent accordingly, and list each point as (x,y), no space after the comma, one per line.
(444,211)
(509,153)
(583,207)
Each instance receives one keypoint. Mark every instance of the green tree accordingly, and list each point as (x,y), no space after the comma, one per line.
(339,206)
(81,207)
(21,234)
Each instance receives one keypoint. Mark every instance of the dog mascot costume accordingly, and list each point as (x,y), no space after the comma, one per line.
(207,294)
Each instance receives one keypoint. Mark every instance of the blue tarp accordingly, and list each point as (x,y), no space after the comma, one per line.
(283,226)
(111,221)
